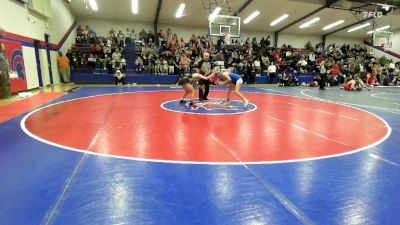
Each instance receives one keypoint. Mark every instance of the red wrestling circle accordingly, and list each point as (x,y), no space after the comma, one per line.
(133,125)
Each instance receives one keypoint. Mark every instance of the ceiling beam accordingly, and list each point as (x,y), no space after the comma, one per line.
(348,26)
(382,2)
(328,3)
(159,4)
(242,7)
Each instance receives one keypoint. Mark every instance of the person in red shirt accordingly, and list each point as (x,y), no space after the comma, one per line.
(372,79)
(335,70)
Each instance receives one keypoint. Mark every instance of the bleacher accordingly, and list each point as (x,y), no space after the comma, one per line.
(83,74)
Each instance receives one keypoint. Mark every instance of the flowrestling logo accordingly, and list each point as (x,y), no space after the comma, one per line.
(211,107)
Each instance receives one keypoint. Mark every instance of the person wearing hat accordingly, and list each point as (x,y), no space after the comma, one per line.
(119,77)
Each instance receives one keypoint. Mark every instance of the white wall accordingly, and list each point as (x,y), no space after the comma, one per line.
(60,23)
(103,26)
(339,41)
(298,41)
(16,18)
(183,31)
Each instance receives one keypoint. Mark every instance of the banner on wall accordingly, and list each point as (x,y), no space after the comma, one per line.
(16,65)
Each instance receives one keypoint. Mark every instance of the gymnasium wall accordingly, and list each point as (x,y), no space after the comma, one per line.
(23,25)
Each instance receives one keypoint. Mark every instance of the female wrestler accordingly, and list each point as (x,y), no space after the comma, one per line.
(235,81)
(355,85)
(188,81)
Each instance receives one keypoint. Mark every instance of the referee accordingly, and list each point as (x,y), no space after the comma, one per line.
(206,66)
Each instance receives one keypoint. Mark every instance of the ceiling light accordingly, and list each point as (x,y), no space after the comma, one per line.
(386,7)
(379,29)
(275,22)
(251,17)
(307,24)
(382,28)
(179,12)
(215,13)
(135,6)
(358,27)
(327,27)
(93,5)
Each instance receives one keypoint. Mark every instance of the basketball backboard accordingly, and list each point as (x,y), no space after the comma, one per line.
(225,24)
(382,39)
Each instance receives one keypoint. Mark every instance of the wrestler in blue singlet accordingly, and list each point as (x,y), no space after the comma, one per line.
(234,77)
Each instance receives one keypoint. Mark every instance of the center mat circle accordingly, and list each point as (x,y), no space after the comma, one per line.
(133,125)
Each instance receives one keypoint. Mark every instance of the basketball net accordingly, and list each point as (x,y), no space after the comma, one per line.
(227,38)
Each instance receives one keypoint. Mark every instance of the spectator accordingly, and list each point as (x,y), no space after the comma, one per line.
(257,66)
(116,57)
(271,72)
(85,32)
(121,39)
(70,58)
(4,75)
(119,77)
(91,62)
(133,34)
(92,36)
(323,76)
(164,69)
(139,64)
(171,66)
(63,68)
(142,34)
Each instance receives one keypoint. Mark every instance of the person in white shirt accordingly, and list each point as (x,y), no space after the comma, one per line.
(158,66)
(302,64)
(122,64)
(119,77)
(164,69)
(116,57)
(311,57)
(91,61)
(257,66)
(271,72)
(139,64)
(392,66)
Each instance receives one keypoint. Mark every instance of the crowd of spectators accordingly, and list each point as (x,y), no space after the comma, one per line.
(166,53)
